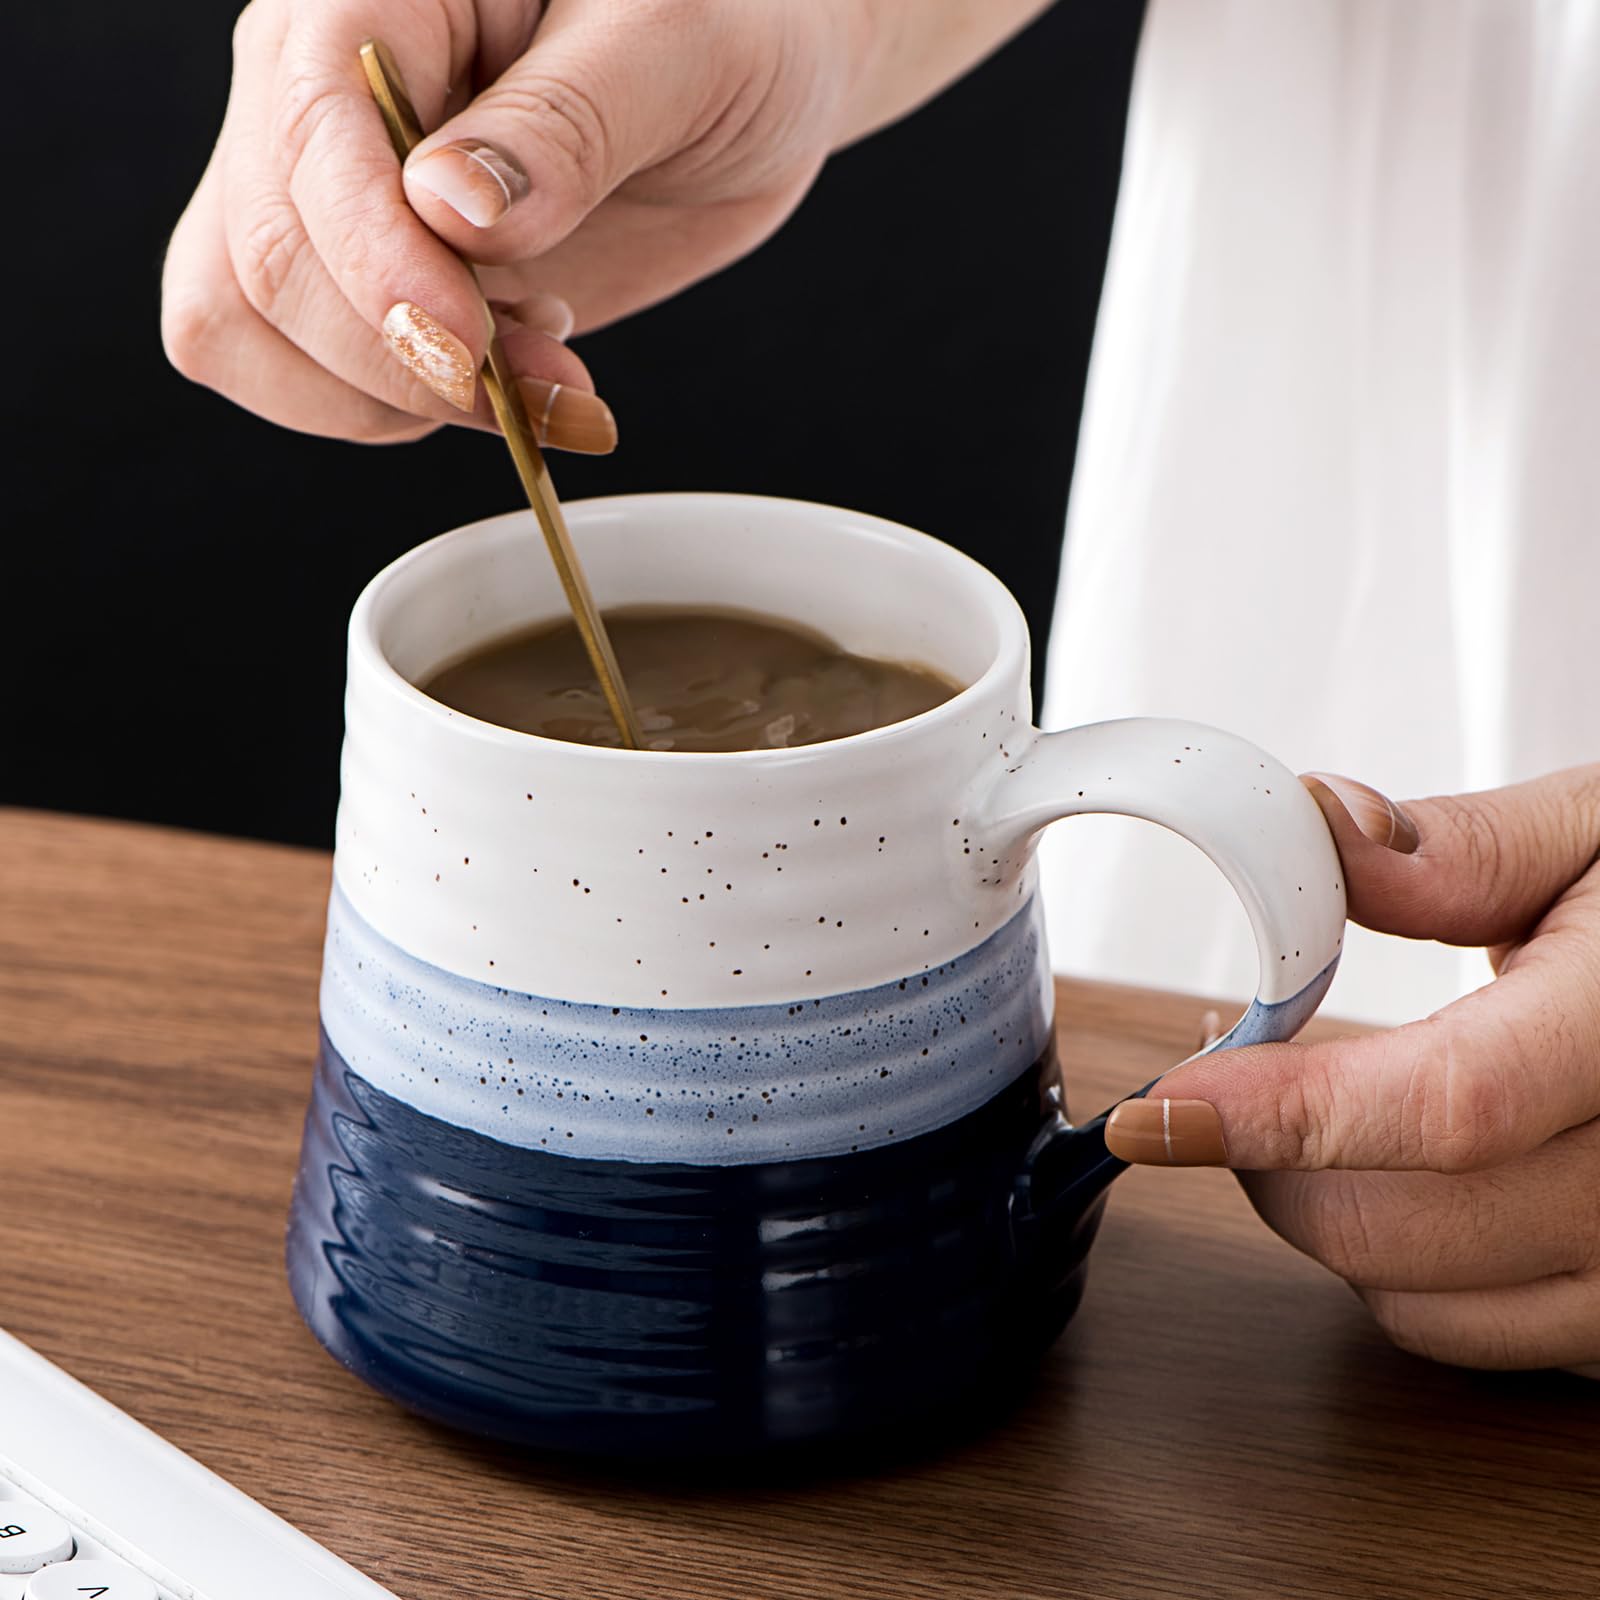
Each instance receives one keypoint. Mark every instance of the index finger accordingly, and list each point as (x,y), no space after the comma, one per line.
(345,182)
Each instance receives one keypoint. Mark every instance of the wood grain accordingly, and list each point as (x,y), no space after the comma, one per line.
(1221,1419)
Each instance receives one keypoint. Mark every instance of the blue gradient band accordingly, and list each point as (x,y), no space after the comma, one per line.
(1266,1022)
(725,1086)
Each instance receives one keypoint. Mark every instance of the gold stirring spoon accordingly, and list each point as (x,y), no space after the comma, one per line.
(405,133)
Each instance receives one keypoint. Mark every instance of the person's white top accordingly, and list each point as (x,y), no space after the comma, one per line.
(1338,484)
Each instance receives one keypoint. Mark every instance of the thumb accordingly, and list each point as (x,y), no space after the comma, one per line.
(1487,1078)
(594,98)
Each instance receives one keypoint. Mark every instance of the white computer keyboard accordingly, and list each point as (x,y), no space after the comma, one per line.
(94,1506)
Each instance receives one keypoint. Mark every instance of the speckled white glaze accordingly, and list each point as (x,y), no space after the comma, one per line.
(638,879)
(668,882)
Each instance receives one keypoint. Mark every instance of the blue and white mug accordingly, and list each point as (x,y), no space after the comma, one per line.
(705,1104)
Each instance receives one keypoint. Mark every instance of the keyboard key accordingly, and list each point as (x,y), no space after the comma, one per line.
(89,1580)
(30,1536)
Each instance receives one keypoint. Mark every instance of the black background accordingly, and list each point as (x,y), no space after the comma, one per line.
(178,573)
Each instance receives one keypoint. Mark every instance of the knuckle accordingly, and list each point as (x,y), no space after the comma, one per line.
(1379,1234)
(1313,1116)
(194,333)
(299,110)
(267,257)
(573,121)
(1477,832)
(1342,1228)
(1464,1110)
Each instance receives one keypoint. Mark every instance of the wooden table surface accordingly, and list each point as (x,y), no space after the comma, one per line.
(1220,1419)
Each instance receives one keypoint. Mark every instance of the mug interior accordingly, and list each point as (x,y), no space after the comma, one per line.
(873,587)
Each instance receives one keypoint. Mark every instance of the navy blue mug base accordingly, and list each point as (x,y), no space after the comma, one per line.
(845,1308)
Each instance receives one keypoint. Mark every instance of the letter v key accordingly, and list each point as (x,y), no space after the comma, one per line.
(91,1578)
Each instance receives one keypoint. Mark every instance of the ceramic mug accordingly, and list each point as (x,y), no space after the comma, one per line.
(705,1104)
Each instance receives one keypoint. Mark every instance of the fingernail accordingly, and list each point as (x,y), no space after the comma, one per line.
(544,313)
(565,418)
(474,179)
(1210,1029)
(1167,1133)
(431,352)
(1376,815)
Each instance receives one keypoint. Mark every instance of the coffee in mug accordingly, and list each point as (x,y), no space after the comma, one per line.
(701,679)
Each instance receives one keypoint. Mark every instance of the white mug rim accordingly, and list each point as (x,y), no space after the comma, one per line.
(1009,659)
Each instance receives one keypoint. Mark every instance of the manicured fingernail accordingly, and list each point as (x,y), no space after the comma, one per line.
(1167,1133)
(1376,815)
(545,313)
(565,418)
(431,352)
(474,179)
(1210,1029)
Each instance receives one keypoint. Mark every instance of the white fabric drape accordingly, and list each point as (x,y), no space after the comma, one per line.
(1338,485)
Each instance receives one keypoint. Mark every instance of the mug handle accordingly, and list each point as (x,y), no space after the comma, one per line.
(1256,822)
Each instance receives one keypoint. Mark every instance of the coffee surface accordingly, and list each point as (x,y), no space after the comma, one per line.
(699,680)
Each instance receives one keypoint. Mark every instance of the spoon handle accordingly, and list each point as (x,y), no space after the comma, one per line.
(405,132)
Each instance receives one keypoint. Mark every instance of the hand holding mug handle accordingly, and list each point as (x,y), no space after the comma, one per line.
(1252,817)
